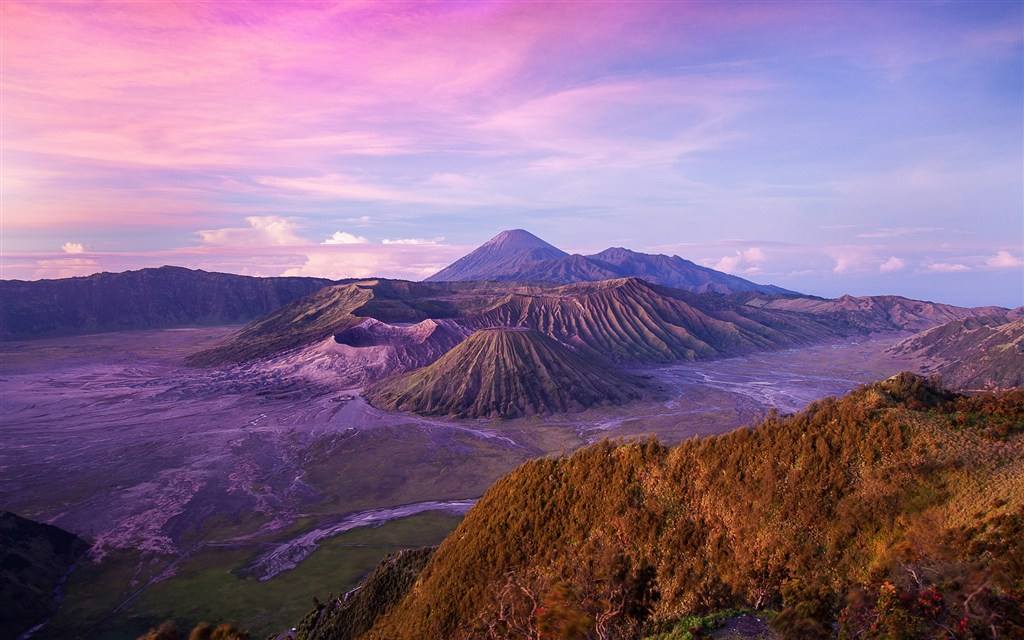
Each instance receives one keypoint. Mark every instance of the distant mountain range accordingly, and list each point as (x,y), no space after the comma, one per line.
(143,299)
(518,255)
(357,332)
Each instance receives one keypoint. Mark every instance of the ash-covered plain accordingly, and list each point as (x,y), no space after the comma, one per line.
(160,465)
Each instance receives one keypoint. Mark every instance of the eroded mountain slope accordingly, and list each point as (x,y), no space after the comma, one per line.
(506,373)
(973,353)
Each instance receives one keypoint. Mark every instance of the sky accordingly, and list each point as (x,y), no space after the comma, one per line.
(831,148)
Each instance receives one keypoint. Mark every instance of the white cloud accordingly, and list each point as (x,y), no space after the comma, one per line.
(344,237)
(744,261)
(415,241)
(947,267)
(851,258)
(892,264)
(262,231)
(843,264)
(73,247)
(1004,260)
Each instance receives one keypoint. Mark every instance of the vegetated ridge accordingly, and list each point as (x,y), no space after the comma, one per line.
(896,511)
(506,373)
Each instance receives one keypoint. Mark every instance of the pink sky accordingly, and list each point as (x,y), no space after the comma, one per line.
(242,136)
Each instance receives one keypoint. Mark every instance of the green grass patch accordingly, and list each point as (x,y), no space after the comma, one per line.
(209,587)
(693,627)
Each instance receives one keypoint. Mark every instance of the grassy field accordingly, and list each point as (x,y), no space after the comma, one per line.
(208,586)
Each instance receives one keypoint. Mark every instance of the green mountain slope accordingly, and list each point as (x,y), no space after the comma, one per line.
(894,512)
(505,373)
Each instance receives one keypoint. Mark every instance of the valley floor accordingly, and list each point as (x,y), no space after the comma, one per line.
(212,493)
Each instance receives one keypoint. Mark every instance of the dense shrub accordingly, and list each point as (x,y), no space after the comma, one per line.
(894,512)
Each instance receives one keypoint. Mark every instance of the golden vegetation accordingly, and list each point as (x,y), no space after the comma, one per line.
(202,631)
(849,518)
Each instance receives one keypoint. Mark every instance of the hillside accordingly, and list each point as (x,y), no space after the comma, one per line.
(34,560)
(353,614)
(896,511)
(974,353)
(519,256)
(630,320)
(143,299)
(505,373)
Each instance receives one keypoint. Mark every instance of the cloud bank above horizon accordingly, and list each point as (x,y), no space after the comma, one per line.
(825,147)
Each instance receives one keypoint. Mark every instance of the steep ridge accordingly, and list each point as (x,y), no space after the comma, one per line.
(143,299)
(34,560)
(353,614)
(505,373)
(630,320)
(505,253)
(874,313)
(973,353)
(519,256)
(305,321)
(897,510)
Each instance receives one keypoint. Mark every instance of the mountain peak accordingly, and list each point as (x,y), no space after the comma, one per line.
(518,239)
(508,252)
(518,255)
